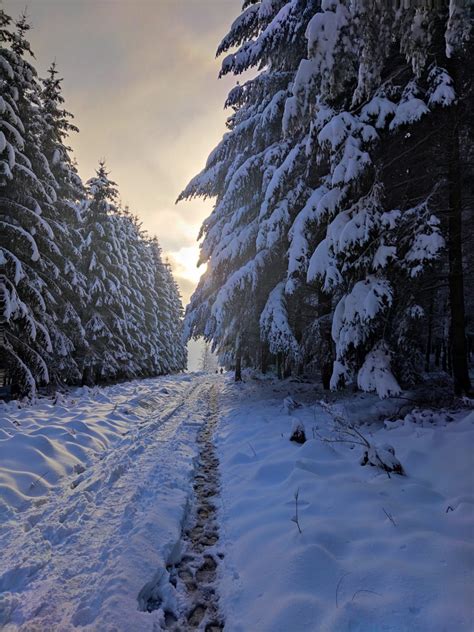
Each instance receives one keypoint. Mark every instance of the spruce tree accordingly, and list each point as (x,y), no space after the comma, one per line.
(328,223)
(26,237)
(103,315)
(66,223)
(244,237)
(170,343)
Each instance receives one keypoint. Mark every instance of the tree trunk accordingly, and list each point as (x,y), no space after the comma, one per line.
(444,361)
(429,341)
(238,363)
(88,376)
(456,278)
(324,309)
(280,366)
(437,353)
(263,358)
(326,372)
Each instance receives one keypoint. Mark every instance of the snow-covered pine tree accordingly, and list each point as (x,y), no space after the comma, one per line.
(133,318)
(244,237)
(378,97)
(104,315)
(163,359)
(131,280)
(66,222)
(151,314)
(207,361)
(170,344)
(151,321)
(178,349)
(78,297)
(334,194)
(26,197)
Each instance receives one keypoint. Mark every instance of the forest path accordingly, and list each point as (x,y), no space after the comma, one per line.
(194,575)
(82,559)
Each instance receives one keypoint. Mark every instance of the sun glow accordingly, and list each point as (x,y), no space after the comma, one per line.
(184,263)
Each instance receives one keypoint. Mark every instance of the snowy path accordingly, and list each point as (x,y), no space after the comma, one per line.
(183,520)
(87,556)
(195,574)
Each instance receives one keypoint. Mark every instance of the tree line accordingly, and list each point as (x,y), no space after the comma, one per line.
(341,236)
(85,295)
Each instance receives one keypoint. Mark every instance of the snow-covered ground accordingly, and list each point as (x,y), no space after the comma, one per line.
(94,488)
(376,554)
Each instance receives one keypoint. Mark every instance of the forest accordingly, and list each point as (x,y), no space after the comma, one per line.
(85,295)
(316,473)
(340,243)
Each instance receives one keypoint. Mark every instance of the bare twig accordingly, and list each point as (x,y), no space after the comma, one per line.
(251,447)
(372,592)
(295,518)
(40,477)
(343,426)
(390,517)
(359,434)
(339,585)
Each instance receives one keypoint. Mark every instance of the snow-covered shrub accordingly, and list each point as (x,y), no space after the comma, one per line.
(375,374)
(289,404)
(382,457)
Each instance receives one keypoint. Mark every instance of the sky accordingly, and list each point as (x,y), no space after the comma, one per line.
(140,77)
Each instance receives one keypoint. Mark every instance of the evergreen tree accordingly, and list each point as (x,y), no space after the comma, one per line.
(66,224)
(80,296)
(320,229)
(26,237)
(171,346)
(207,361)
(242,239)
(104,314)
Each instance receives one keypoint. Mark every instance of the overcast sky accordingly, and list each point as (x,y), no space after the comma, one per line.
(140,76)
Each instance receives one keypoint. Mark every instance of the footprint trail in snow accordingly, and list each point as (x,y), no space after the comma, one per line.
(195,575)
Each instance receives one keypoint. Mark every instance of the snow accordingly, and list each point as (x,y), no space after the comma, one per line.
(425,247)
(19,233)
(355,312)
(376,375)
(93,491)
(459,26)
(96,484)
(410,109)
(442,91)
(383,255)
(274,325)
(375,553)
(322,266)
(379,108)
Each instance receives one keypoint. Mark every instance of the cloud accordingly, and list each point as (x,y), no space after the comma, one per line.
(186,287)
(140,77)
